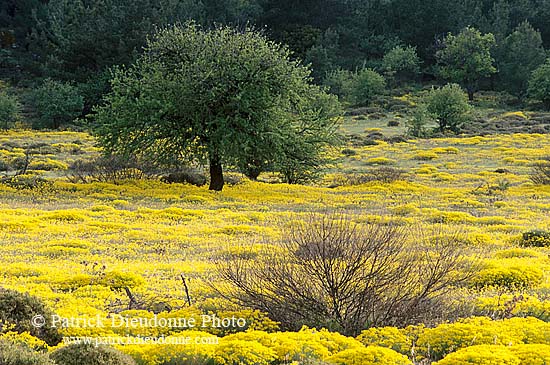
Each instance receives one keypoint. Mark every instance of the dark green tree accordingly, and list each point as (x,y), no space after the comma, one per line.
(219,97)
(57,104)
(401,64)
(86,36)
(466,58)
(539,84)
(367,84)
(518,56)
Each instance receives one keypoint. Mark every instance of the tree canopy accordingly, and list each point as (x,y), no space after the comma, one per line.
(466,58)
(217,97)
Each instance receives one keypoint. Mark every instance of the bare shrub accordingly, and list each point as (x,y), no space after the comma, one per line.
(540,174)
(108,169)
(328,271)
(384,174)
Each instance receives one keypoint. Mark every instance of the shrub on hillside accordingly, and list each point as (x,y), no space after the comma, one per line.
(535,238)
(18,309)
(339,83)
(481,355)
(346,250)
(56,104)
(449,107)
(532,354)
(509,278)
(112,169)
(368,356)
(17,354)
(540,174)
(401,63)
(366,86)
(9,110)
(89,354)
(539,84)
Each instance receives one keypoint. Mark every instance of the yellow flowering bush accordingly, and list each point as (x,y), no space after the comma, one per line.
(511,278)
(481,355)
(237,352)
(532,354)
(389,337)
(368,356)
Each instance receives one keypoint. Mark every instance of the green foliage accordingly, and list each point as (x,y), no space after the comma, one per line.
(18,309)
(57,104)
(368,356)
(221,97)
(323,55)
(449,107)
(539,84)
(367,84)
(339,83)
(89,354)
(417,126)
(481,355)
(466,58)
(18,354)
(518,56)
(9,110)
(83,38)
(401,63)
(535,238)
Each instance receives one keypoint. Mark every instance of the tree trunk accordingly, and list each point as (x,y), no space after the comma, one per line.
(471,92)
(216,174)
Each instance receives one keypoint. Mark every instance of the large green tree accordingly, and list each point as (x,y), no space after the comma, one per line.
(466,58)
(220,97)
(518,56)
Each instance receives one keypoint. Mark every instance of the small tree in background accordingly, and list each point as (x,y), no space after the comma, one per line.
(367,84)
(539,84)
(401,64)
(340,83)
(518,56)
(57,104)
(220,97)
(466,58)
(449,107)
(9,110)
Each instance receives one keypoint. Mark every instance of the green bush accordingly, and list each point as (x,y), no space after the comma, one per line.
(366,85)
(89,354)
(339,83)
(417,126)
(401,63)
(17,310)
(449,107)
(539,84)
(57,104)
(16,354)
(9,110)
(535,238)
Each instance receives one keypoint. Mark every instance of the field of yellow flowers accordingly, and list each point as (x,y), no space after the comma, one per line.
(77,246)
